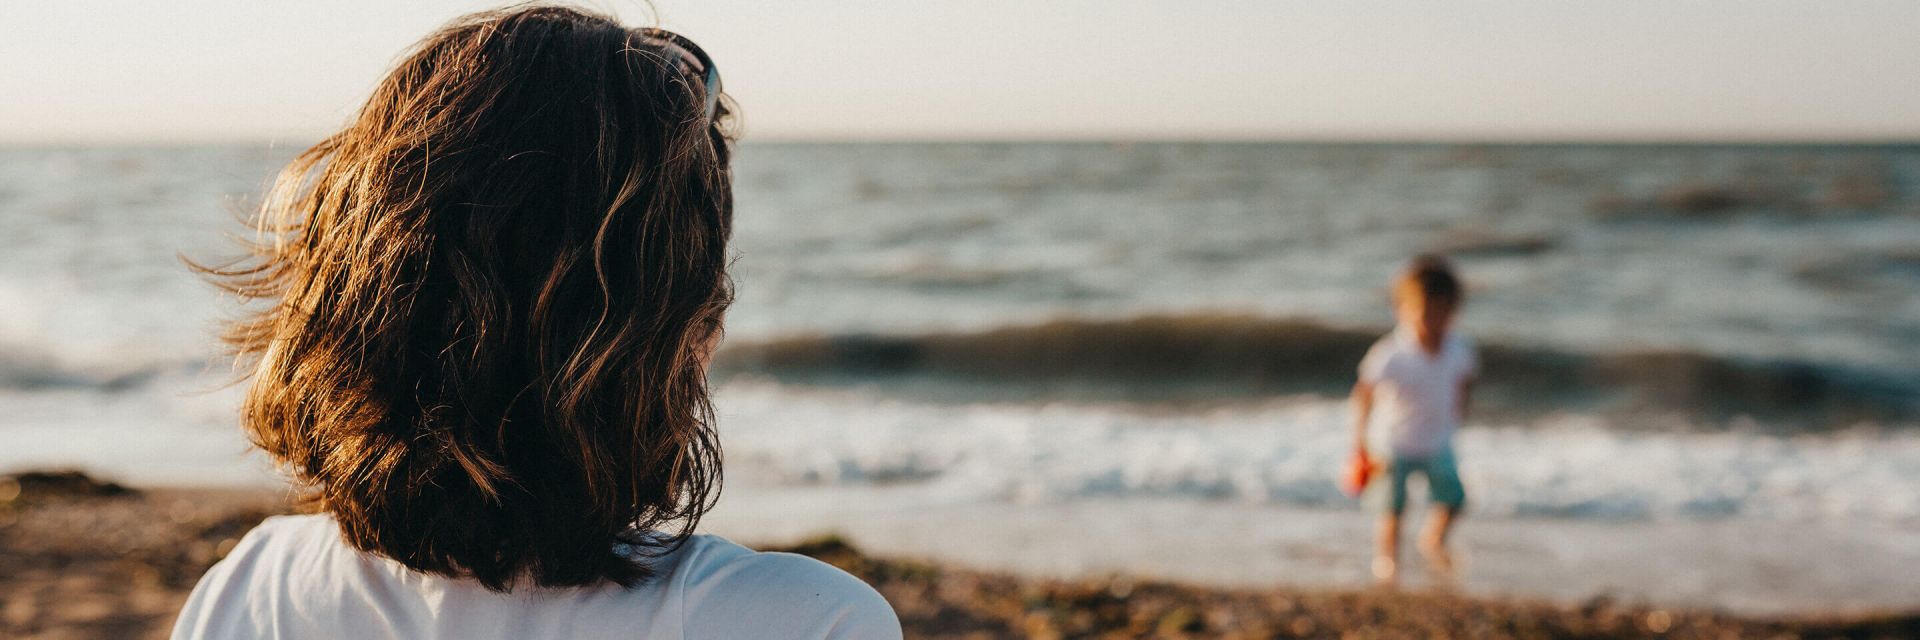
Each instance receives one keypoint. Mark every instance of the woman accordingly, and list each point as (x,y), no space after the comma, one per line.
(490,301)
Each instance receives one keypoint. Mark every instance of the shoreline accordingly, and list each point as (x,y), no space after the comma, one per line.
(1748,568)
(82,558)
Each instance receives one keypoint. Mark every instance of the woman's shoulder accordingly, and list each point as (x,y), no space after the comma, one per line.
(227,601)
(732,591)
(277,540)
(295,526)
(279,534)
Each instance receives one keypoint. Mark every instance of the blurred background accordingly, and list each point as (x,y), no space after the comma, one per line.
(1076,288)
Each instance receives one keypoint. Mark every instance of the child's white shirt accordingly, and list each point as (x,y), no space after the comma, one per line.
(1416,394)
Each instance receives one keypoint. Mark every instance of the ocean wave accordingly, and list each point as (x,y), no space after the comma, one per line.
(1282,452)
(24,368)
(1863,190)
(1212,358)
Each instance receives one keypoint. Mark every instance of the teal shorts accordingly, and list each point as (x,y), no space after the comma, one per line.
(1388,493)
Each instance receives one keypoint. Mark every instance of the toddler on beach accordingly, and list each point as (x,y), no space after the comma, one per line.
(1419,377)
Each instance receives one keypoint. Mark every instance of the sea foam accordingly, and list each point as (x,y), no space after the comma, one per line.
(1288,451)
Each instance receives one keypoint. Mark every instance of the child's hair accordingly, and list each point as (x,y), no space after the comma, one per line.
(1430,277)
(489,298)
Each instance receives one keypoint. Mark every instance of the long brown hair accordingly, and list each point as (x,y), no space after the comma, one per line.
(485,304)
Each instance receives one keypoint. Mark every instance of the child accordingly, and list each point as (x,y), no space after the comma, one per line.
(1420,376)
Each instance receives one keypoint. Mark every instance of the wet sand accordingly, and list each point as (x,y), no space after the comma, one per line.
(1751,567)
(83,559)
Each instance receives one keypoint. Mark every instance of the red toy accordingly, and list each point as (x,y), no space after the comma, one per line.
(1359,470)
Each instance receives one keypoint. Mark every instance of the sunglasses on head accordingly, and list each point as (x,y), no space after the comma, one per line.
(694,63)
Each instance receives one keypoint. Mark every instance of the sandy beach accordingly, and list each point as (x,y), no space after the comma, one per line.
(88,559)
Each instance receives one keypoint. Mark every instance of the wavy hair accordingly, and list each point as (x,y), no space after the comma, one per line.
(483,308)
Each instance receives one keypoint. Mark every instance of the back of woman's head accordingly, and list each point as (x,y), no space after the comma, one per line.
(490,298)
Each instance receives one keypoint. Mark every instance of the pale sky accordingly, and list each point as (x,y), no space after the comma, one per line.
(227,70)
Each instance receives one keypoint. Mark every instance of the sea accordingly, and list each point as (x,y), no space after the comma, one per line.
(1702,381)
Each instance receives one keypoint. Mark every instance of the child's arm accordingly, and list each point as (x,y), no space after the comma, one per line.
(1466,398)
(1362,410)
(1467,379)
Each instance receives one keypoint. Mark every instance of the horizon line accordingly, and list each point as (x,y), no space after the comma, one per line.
(884,141)
(1070,138)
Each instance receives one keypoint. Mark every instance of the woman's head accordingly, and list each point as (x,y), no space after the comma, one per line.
(1426,295)
(490,300)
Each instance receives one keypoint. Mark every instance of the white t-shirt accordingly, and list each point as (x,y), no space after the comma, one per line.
(294,577)
(1416,394)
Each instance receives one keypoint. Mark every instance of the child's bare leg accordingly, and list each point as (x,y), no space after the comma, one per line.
(1386,555)
(1433,539)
